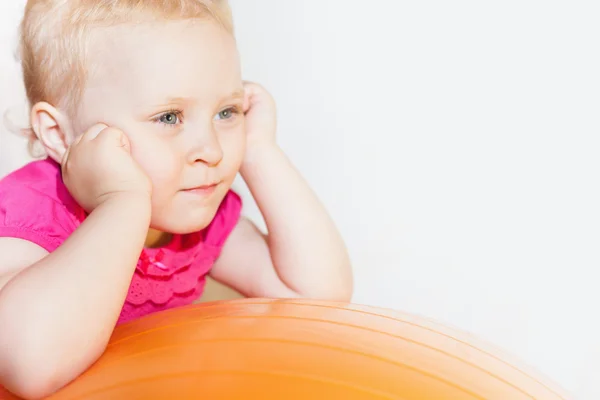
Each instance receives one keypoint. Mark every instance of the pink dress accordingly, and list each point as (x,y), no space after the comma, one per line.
(36,206)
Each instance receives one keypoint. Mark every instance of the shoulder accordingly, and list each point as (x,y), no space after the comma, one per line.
(225,220)
(36,206)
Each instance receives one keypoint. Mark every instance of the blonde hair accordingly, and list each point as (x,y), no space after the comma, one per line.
(54,37)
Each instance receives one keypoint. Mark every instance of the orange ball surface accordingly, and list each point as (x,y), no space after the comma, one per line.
(298,349)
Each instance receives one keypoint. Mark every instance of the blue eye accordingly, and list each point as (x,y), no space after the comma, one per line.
(228,113)
(170,118)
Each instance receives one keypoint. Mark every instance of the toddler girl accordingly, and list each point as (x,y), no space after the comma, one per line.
(145,122)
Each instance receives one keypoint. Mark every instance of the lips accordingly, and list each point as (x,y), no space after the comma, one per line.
(202,189)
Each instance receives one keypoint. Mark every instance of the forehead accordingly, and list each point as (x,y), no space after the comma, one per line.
(149,62)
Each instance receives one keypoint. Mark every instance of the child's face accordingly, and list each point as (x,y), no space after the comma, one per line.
(175,89)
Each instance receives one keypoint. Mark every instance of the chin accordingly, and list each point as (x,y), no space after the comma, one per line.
(187,223)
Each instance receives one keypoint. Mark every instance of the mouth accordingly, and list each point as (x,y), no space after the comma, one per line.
(204,190)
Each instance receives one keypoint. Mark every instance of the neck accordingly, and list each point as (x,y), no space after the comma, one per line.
(156,238)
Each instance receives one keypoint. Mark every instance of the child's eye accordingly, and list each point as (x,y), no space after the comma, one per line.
(169,118)
(228,113)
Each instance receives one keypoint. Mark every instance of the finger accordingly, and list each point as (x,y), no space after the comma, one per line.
(115,136)
(249,92)
(247,103)
(125,143)
(250,84)
(253,87)
(93,132)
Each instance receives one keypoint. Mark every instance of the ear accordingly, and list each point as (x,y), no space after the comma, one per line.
(52,128)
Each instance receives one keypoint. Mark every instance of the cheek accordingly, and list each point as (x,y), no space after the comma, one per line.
(234,149)
(159,161)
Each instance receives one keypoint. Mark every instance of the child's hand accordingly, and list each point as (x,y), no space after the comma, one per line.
(261,118)
(99,166)
(303,254)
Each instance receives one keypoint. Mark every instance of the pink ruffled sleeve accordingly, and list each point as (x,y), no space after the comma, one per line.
(225,220)
(27,214)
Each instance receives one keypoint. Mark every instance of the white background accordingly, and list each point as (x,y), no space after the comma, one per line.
(456,145)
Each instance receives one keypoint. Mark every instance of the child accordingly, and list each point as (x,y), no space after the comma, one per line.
(141,110)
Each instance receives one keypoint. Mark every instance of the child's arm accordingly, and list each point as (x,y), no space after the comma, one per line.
(303,255)
(57,315)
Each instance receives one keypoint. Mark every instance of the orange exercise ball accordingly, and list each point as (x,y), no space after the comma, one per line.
(297,349)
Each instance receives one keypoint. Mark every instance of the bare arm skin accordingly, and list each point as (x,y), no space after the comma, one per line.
(58,310)
(303,254)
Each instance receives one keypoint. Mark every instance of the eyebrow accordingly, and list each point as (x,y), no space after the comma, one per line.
(238,94)
(176,100)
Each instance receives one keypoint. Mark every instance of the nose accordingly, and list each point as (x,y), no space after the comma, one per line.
(206,149)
